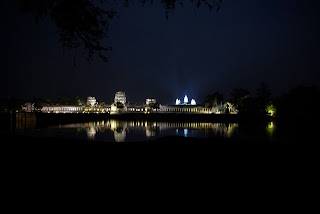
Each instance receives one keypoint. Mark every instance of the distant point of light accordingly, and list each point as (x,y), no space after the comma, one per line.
(193,102)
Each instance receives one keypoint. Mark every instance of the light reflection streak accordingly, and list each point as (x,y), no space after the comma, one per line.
(153,129)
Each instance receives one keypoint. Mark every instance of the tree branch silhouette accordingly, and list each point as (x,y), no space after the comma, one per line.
(85,24)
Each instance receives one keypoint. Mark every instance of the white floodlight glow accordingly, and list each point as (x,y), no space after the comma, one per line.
(185,99)
(113,108)
(178,101)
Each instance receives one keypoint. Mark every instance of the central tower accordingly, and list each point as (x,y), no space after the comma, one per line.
(120,97)
(185,99)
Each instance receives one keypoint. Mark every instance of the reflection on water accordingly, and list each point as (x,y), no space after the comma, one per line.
(270,129)
(145,130)
(91,132)
(119,129)
(185,132)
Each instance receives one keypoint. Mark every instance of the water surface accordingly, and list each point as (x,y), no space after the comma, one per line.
(112,130)
(130,131)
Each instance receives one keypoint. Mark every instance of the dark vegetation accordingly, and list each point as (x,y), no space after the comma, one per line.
(243,101)
(213,99)
(61,100)
(301,102)
(12,104)
(298,103)
(119,105)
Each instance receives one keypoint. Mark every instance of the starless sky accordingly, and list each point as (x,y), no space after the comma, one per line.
(194,52)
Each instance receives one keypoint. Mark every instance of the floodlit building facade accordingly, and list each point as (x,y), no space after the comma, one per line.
(190,109)
(91,101)
(120,97)
(151,101)
(120,106)
(62,109)
(186,101)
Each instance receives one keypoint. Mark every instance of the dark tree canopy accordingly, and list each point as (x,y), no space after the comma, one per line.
(154,105)
(263,93)
(238,95)
(213,99)
(85,24)
(120,105)
(39,102)
(299,103)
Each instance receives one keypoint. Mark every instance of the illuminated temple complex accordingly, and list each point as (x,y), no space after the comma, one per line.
(120,105)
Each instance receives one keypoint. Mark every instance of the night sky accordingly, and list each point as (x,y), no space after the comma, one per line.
(194,52)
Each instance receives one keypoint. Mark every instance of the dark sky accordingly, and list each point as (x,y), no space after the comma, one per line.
(194,52)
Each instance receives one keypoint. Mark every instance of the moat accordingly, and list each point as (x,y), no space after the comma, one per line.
(112,130)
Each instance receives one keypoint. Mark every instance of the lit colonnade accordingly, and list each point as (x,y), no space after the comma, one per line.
(195,109)
(137,108)
(75,109)
(92,107)
(62,109)
(97,109)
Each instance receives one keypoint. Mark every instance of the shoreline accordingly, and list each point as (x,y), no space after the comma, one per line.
(23,120)
(43,119)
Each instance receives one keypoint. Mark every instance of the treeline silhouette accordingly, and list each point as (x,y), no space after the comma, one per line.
(243,101)
(12,104)
(297,104)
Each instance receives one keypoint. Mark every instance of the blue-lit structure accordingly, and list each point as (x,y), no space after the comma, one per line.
(186,101)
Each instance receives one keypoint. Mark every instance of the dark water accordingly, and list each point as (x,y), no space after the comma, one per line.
(129,131)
